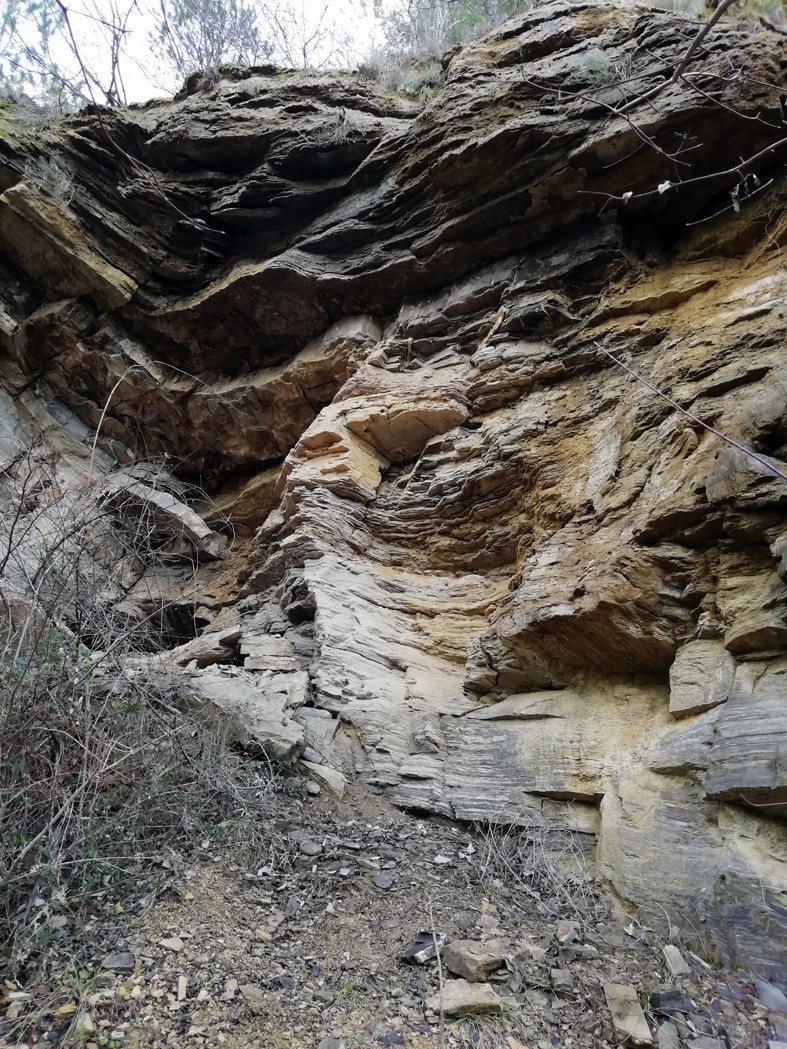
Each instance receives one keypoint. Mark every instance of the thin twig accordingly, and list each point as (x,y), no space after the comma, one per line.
(439,974)
(684,62)
(739,169)
(766,463)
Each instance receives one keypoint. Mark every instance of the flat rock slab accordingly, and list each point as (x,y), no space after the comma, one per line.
(668,1037)
(331,779)
(770,996)
(628,1019)
(123,961)
(676,963)
(473,959)
(461,998)
(700,678)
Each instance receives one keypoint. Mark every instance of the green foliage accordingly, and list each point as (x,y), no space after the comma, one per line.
(430,27)
(421,80)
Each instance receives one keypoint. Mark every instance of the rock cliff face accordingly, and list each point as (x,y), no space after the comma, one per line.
(476,563)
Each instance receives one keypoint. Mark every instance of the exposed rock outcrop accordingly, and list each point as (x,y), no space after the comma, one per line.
(490,572)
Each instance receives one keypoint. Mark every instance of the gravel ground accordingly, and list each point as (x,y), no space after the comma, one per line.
(303,950)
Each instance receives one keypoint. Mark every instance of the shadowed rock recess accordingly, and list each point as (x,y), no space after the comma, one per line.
(475,563)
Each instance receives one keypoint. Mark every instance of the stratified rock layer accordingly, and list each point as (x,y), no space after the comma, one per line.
(491,572)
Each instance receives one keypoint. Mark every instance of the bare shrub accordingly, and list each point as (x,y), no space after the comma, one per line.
(200,35)
(544,862)
(99,763)
(49,174)
(304,35)
(404,74)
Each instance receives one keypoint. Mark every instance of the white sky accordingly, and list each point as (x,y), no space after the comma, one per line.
(144,79)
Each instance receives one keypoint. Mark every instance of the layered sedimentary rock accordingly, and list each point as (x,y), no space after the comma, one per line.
(476,563)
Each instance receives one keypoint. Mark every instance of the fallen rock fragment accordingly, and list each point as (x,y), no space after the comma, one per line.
(531,952)
(254,997)
(461,998)
(567,933)
(667,1003)
(628,1019)
(771,997)
(218,646)
(562,981)
(172,943)
(330,779)
(123,961)
(160,509)
(668,1037)
(310,848)
(676,963)
(473,960)
(423,947)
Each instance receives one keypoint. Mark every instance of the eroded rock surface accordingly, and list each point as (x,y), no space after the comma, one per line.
(476,563)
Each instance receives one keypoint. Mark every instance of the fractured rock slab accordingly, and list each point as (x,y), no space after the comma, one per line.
(461,998)
(628,1019)
(676,963)
(700,678)
(473,960)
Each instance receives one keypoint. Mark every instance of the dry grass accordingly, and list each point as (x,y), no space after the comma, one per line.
(543,862)
(100,765)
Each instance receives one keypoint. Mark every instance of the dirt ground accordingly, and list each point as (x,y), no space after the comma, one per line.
(301,949)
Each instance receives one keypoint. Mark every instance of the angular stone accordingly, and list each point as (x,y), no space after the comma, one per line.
(45,240)
(214,646)
(474,960)
(567,932)
(666,1003)
(158,510)
(774,999)
(258,718)
(700,678)
(628,1019)
(562,980)
(123,961)
(460,998)
(667,1036)
(676,963)
(332,780)
(400,432)
(261,652)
